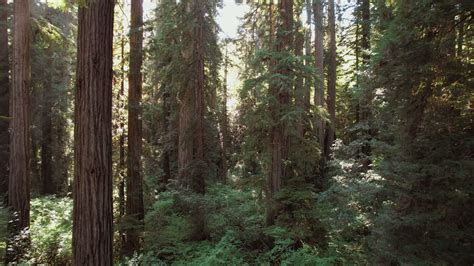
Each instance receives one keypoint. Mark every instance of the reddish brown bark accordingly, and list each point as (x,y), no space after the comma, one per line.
(331,99)
(19,176)
(191,163)
(122,165)
(319,63)
(93,213)
(134,203)
(4,100)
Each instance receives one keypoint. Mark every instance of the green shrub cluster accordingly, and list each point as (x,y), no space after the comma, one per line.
(51,231)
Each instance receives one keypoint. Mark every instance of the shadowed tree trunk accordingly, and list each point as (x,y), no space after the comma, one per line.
(224,125)
(4,100)
(191,163)
(19,177)
(134,203)
(319,63)
(93,212)
(331,99)
(367,96)
(122,165)
(279,145)
(47,181)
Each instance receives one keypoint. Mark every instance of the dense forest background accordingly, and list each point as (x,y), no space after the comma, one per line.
(346,140)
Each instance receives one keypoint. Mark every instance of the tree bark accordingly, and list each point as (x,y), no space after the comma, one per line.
(319,58)
(134,208)
(225,142)
(300,89)
(47,180)
(122,166)
(4,101)
(331,100)
(279,145)
(366,105)
(19,176)
(93,211)
(191,163)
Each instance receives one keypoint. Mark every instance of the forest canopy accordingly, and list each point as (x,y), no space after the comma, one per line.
(226,132)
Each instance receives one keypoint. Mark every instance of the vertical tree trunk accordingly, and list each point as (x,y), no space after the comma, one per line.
(122,166)
(199,109)
(47,181)
(331,100)
(319,58)
(279,134)
(134,208)
(167,127)
(93,213)
(308,53)
(300,89)
(192,165)
(225,124)
(19,177)
(366,106)
(4,100)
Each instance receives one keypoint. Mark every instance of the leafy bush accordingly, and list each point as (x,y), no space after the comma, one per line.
(51,230)
(237,234)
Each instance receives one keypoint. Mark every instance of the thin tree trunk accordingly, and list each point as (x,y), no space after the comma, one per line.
(308,53)
(4,100)
(225,125)
(122,166)
(19,177)
(93,211)
(366,103)
(134,203)
(300,90)
(331,99)
(167,127)
(319,62)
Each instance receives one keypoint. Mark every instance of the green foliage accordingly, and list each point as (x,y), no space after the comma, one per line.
(51,230)
(3,229)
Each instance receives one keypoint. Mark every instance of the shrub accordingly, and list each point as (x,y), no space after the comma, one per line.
(51,230)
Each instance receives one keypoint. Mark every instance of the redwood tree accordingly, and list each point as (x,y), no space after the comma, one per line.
(19,177)
(93,212)
(191,163)
(331,99)
(319,58)
(134,205)
(280,90)
(4,99)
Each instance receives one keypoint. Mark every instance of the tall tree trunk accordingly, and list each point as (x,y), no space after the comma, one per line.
(122,166)
(93,211)
(365,107)
(199,109)
(4,100)
(308,53)
(279,134)
(19,177)
(134,208)
(47,181)
(331,100)
(319,62)
(192,165)
(167,128)
(300,89)
(224,127)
